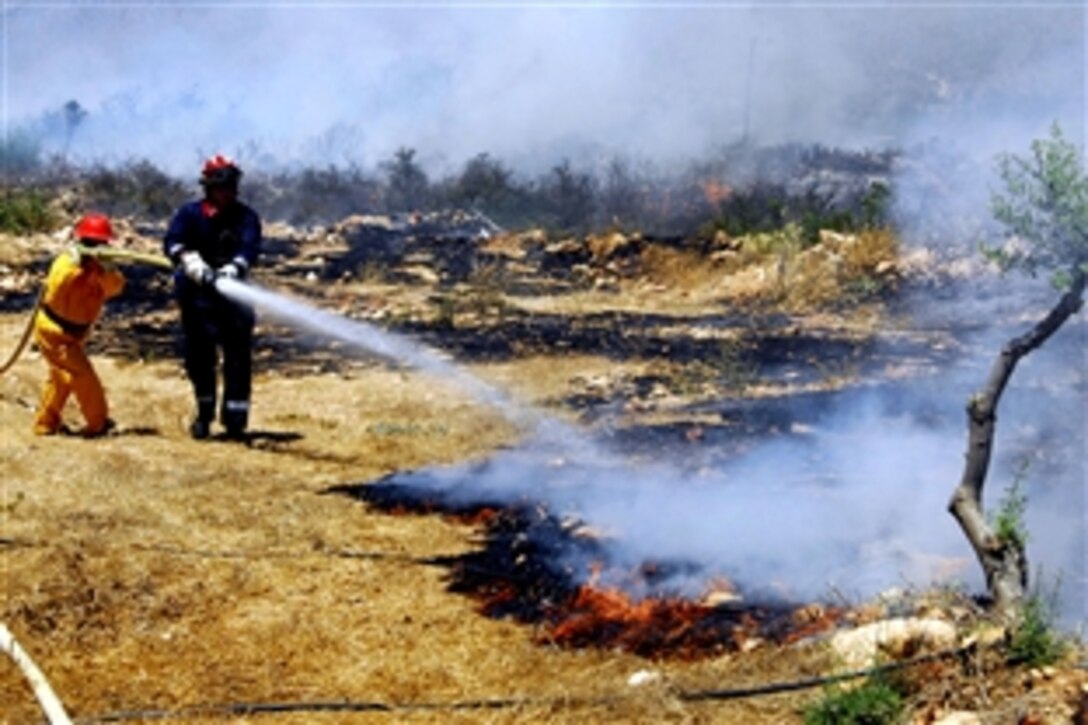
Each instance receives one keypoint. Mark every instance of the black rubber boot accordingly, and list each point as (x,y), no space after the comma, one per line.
(235,417)
(200,429)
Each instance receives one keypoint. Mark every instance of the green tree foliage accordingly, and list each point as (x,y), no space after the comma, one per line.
(1045,205)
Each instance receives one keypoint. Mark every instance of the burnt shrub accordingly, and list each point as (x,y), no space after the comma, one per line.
(567,197)
(313,195)
(136,188)
(20,154)
(485,184)
(407,185)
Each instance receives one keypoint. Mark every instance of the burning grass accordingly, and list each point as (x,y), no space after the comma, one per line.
(525,571)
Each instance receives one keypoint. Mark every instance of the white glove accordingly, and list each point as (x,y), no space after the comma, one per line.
(229,271)
(196,268)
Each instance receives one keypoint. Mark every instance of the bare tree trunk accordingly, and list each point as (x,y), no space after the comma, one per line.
(1004,563)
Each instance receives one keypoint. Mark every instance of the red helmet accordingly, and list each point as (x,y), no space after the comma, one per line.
(220,170)
(94,227)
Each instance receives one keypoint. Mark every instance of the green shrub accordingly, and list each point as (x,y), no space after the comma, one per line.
(1008,522)
(787,240)
(1034,641)
(874,703)
(24,211)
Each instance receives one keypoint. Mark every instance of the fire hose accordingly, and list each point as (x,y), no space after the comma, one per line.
(50,704)
(103,253)
(230,709)
(244,709)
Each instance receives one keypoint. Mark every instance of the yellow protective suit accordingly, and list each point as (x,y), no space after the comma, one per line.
(74,294)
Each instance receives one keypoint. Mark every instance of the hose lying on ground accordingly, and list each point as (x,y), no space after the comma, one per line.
(105,253)
(51,705)
(25,339)
(736,693)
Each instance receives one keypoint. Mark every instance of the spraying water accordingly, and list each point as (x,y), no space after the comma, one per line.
(368,337)
(549,432)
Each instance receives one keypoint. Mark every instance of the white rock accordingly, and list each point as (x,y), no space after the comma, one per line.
(959,717)
(643,677)
(896,638)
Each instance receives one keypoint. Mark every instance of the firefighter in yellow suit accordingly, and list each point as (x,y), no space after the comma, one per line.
(75,290)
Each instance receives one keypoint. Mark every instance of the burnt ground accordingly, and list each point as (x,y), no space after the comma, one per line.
(162,573)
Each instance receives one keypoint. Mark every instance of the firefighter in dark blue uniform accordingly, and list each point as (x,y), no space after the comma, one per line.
(217,236)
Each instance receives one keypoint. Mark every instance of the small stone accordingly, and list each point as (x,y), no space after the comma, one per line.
(643,677)
(721,598)
(750,644)
(959,717)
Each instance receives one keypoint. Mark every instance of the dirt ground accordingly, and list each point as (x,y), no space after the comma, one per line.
(147,573)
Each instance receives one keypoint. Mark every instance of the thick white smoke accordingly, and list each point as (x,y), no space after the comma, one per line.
(530,84)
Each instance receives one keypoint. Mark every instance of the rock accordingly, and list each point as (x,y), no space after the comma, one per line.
(886,268)
(422,274)
(895,638)
(721,598)
(959,717)
(643,677)
(808,614)
(835,240)
(613,246)
(722,242)
(605,284)
(751,644)
(534,237)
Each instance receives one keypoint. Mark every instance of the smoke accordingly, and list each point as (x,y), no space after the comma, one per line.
(844,508)
(530,84)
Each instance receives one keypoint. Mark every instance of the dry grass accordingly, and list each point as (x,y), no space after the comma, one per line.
(678,268)
(149,571)
(775,270)
(153,571)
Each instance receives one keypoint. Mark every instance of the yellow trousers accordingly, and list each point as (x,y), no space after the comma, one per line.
(70,371)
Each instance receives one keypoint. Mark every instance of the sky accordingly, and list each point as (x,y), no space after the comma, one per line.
(342,82)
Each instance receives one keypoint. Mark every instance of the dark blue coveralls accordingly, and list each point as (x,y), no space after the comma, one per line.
(209,320)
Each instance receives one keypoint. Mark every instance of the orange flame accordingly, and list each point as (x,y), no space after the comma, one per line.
(610,617)
(715,191)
